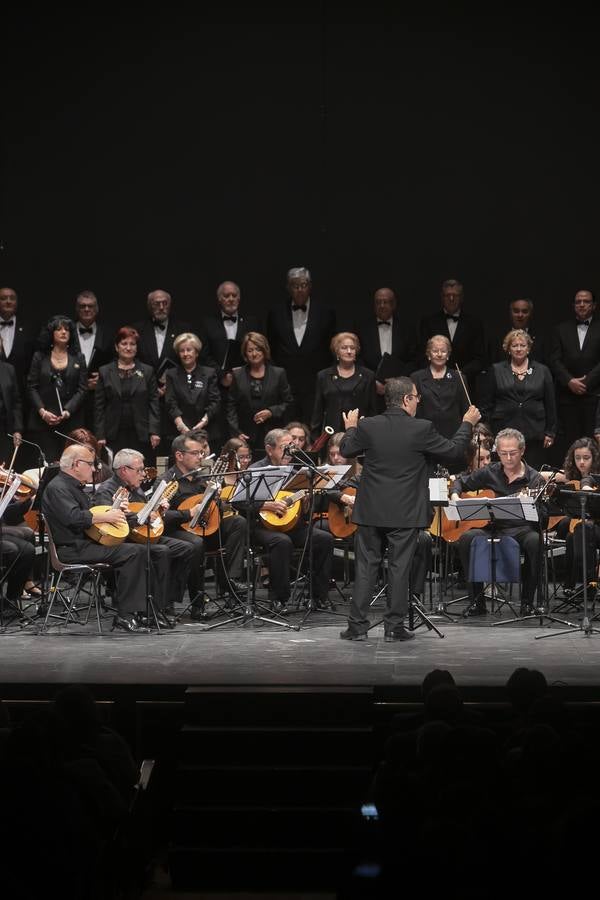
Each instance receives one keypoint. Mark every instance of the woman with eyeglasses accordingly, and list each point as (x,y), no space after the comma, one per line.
(126,404)
(442,396)
(57,384)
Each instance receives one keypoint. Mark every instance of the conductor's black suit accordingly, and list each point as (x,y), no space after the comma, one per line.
(392,503)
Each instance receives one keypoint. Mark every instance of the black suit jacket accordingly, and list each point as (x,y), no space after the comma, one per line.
(276,396)
(468,346)
(301,362)
(568,361)
(21,354)
(104,346)
(215,340)
(11,398)
(332,398)
(404,344)
(144,400)
(192,403)
(147,349)
(393,490)
(42,389)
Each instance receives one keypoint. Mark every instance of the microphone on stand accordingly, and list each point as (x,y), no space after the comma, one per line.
(322,439)
(31,444)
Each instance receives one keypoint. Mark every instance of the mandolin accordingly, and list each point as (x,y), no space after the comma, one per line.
(139,534)
(208,517)
(340,517)
(106,534)
(287,520)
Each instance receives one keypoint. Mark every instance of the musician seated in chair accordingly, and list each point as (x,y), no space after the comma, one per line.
(171,559)
(66,508)
(189,450)
(510,476)
(280,544)
(337,503)
(17,552)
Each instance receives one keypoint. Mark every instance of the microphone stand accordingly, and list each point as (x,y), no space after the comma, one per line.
(42,463)
(307,462)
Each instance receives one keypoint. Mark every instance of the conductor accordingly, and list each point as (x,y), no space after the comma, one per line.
(392,500)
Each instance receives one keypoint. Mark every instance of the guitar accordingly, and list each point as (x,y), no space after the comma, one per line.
(208,517)
(139,534)
(340,517)
(453,529)
(106,534)
(287,520)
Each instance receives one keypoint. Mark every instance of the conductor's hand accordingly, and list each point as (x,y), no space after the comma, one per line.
(350,419)
(472,415)
(113,516)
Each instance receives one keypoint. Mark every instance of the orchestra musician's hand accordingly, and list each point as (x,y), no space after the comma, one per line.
(112,516)
(350,419)
(276,506)
(164,504)
(347,499)
(154,441)
(17,438)
(577,386)
(472,415)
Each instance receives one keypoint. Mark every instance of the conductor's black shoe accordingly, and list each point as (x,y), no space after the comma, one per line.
(398,634)
(351,634)
(129,623)
(475,609)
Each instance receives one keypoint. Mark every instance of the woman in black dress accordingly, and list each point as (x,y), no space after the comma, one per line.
(57,384)
(192,396)
(126,402)
(520,394)
(443,399)
(260,397)
(343,386)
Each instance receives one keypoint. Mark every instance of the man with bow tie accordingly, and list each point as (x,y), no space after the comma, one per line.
(222,332)
(95,341)
(575,364)
(17,339)
(387,332)
(299,330)
(466,331)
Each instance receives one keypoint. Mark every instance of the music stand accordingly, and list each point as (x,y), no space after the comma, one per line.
(144,517)
(513,508)
(312,478)
(438,497)
(255,487)
(574,504)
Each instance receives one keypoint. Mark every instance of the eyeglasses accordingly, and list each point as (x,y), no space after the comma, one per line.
(416,397)
(508,452)
(88,462)
(194,452)
(134,469)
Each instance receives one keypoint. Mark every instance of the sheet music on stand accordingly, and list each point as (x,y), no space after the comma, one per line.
(9,494)
(330,476)
(152,503)
(265,483)
(515,508)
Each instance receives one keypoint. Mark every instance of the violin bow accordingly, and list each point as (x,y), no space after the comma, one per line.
(462,381)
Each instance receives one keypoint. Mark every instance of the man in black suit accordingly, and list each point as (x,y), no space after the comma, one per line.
(95,342)
(392,501)
(222,332)
(520,316)
(466,331)
(18,341)
(386,332)
(575,364)
(11,411)
(155,348)
(299,333)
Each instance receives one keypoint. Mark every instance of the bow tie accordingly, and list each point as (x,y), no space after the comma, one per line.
(585,322)
(383,323)
(230,319)
(453,318)
(7,324)
(159,325)
(302,306)
(83,330)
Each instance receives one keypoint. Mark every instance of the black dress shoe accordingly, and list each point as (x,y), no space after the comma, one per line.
(129,623)
(280,608)
(239,587)
(475,609)
(351,634)
(398,634)
(198,611)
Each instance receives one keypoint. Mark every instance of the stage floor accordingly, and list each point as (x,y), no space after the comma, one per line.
(476,653)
